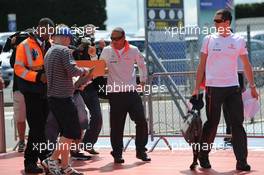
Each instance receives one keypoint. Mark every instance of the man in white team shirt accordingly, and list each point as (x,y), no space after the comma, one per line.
(120,58)
(218,63)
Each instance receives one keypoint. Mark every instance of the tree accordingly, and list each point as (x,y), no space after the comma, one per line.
(70,12)
(249,10)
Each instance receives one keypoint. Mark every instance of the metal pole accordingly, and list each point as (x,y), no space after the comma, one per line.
(138,15)
(150,112)
(191,78)
(2,119)
(146,31)
(249,43)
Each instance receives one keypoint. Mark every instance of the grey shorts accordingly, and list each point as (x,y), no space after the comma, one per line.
(19,107)
(52,127)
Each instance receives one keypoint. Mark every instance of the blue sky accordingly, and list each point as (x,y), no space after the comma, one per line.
(123,13)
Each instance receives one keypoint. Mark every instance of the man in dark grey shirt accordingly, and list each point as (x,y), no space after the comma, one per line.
(60,68)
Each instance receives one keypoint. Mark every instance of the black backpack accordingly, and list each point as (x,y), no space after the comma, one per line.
(192,127)
(192,123)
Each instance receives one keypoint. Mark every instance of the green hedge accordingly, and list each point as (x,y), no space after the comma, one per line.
(249,10)
(70,12)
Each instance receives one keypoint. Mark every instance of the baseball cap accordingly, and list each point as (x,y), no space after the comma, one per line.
(64,31)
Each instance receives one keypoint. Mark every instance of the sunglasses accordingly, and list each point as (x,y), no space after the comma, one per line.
(116,38)
(219,20)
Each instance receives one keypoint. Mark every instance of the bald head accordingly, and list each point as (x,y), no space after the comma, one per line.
(43,22)
(118,38)
(45,28)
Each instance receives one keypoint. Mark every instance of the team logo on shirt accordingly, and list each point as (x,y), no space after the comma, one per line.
(34,53)
(113,61)
(112,57)
(231,46)
(217,47)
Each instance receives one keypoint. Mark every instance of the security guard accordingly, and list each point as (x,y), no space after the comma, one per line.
(29,67)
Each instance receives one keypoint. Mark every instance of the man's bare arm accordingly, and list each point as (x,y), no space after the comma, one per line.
(249,75)
(200,72)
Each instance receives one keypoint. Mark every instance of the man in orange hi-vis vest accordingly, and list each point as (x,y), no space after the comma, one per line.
(29,67)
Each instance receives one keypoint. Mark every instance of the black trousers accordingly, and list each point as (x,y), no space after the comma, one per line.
(231,96)
(37,112)
(91,100)
(120,105)
(225,110)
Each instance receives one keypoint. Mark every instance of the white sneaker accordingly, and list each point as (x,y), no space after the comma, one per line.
(70,171)
(52,166)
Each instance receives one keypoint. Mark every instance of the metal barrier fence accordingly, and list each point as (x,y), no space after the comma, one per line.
(181,53)
(165,116)
(163,110)
(256,24)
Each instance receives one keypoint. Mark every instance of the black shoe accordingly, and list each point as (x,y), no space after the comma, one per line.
(193,165)
(227,139)
(242,166)
(79,156)
(21,146)
(117,158)
(204,162)
(33,168)
(92,151)
(143,156)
